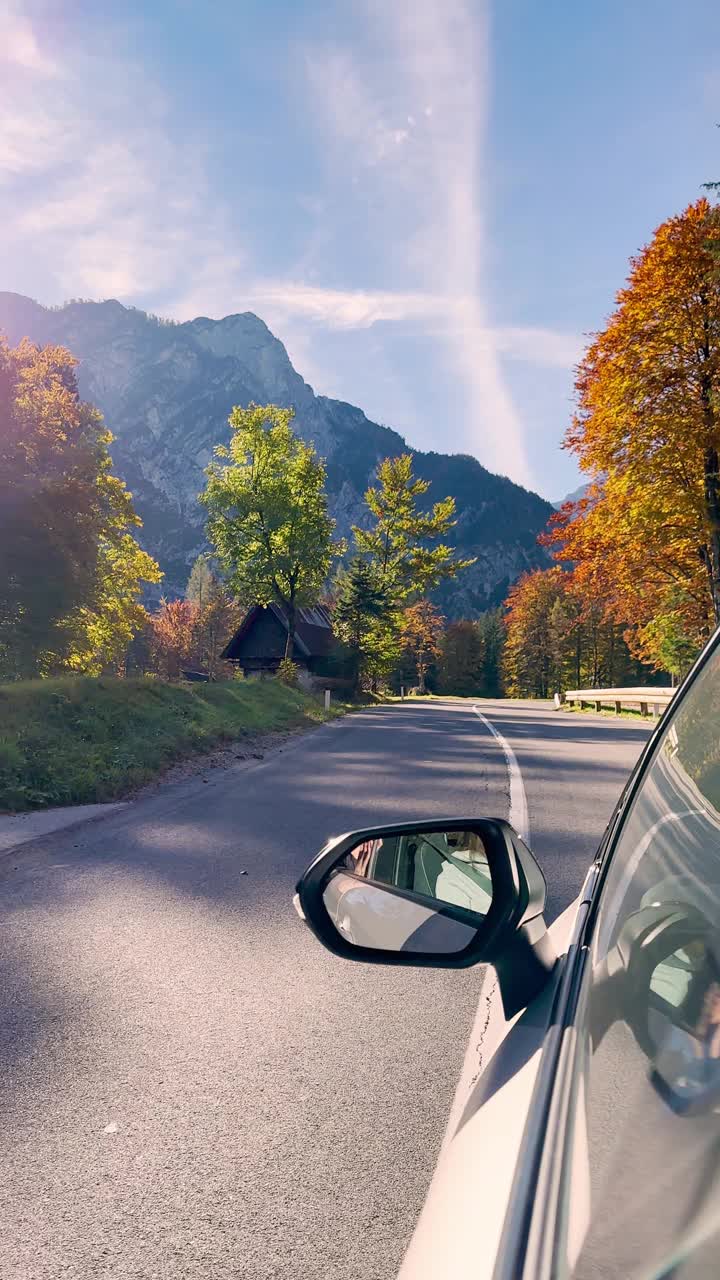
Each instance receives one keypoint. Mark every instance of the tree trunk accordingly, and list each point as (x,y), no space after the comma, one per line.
(712,505)
(421,677)
(290,614)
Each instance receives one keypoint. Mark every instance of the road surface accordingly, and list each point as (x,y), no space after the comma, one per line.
(190,1085)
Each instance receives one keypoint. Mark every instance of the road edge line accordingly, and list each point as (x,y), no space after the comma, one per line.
(472,1065)
(518,816)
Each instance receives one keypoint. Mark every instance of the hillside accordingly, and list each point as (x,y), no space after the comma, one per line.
(166,390)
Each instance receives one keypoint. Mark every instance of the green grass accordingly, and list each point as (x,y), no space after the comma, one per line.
(80,740)
(628,713)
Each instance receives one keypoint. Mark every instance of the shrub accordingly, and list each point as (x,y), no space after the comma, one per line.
(288,672)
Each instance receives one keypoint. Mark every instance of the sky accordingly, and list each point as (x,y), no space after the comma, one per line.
(432,203)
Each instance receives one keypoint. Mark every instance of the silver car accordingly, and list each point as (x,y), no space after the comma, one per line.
(589,1144)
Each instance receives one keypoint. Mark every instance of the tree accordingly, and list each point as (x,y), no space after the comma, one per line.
(646,538)
(71,573)
(492,634)
(218,614)
(529,658)
(420,635)
(268,518)
(559,639)
(397,542)
(461,669)
(173,637)
(101,633)
(204,583)
(360,611)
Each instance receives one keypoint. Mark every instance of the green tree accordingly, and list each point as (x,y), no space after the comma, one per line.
(100,633)
(461,668)
(204,583)
(267,513)
(560,626)
(492,634)
(360,611)
(71,572)
(397,543)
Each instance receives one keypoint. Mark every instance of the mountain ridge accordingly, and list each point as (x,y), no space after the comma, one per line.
(166,389)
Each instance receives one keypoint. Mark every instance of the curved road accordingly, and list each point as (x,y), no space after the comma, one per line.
(191,1086)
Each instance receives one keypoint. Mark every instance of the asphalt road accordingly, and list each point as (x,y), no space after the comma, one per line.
(189,1085)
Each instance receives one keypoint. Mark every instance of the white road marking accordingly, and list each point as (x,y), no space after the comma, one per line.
(488,1002)
(518,816)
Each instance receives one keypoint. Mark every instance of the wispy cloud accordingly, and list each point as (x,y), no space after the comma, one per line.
(99,196)
(451,317)
(108,203)
(19,45)
(435,76)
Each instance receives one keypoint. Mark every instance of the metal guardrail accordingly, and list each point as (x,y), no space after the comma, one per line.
(650,701)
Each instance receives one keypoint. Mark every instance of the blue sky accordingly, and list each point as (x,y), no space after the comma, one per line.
(431,202)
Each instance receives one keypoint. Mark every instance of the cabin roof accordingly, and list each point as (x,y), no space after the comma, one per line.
(313,630)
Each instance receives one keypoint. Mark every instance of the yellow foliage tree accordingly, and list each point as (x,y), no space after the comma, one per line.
(646,538)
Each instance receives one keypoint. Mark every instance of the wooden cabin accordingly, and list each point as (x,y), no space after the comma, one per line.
(258,645)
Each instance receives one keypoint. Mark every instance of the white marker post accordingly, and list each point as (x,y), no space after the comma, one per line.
(327,699)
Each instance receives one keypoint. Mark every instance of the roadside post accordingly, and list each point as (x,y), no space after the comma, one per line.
(327,699)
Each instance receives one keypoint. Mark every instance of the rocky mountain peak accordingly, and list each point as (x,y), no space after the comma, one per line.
(166,390)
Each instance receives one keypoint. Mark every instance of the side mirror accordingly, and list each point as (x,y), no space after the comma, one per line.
(444,894)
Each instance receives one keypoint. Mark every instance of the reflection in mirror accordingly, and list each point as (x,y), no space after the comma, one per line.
(449,866)
(684,1026)
(423,891)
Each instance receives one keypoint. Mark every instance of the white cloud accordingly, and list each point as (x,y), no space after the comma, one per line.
(430,201)
(369,131)
(98,197)
(19,45)
(445,315)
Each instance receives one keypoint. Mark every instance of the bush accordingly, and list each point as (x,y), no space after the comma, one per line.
(288,673)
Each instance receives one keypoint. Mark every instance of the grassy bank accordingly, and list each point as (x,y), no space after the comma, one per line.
(75,741)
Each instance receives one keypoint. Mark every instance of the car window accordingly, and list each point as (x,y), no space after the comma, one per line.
(642,1187)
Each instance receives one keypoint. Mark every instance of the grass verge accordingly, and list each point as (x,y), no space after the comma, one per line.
(83,740)
(625,713)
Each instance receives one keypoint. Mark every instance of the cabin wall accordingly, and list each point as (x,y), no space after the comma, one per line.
(264,643)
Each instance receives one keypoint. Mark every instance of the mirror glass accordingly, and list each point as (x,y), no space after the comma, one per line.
(442,891)
(684,1026)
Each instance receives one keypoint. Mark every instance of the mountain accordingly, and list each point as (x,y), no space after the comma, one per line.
(166,390)
(575,496)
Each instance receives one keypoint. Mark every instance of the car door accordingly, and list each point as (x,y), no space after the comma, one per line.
(588,1143)
(625,1180)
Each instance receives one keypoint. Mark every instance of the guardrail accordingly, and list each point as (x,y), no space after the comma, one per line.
(650,701)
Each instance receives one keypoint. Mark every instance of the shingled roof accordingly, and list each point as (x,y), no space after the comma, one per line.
(313,630)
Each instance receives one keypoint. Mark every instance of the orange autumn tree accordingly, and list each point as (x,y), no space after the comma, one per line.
(538,625)
(420,637)
(172,637)
(557,638)
(646,538)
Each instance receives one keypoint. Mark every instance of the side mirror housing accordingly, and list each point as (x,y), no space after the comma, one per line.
(440,893)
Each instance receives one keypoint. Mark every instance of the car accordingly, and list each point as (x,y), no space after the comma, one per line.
(588,1145)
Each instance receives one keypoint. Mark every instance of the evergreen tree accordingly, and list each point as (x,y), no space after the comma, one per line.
(360,612)
(461,667)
